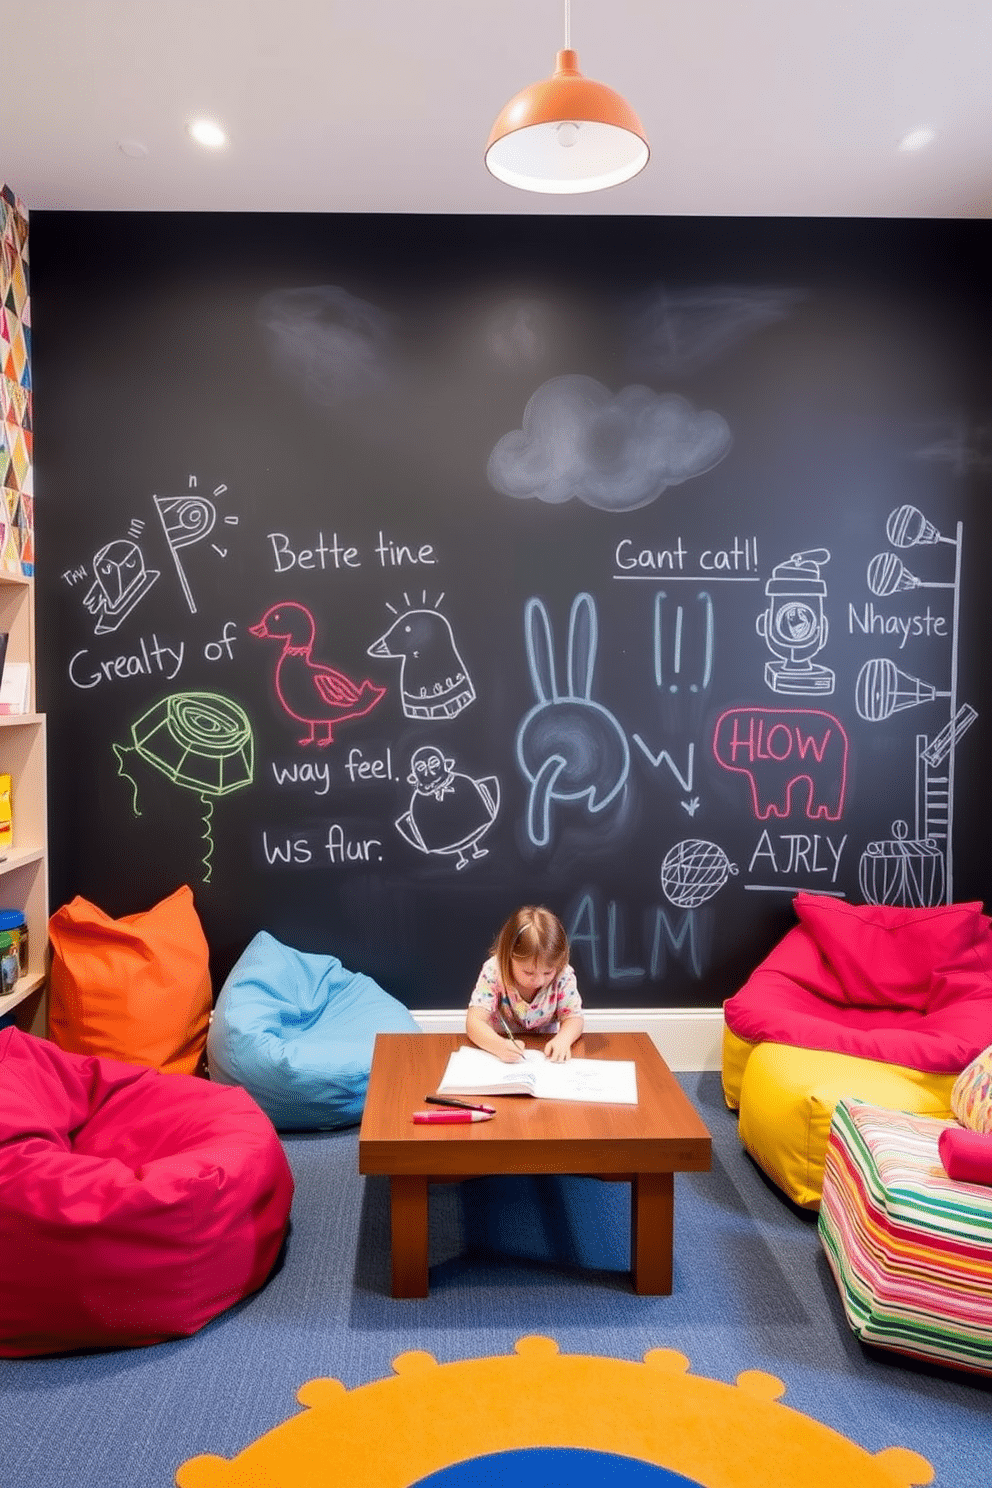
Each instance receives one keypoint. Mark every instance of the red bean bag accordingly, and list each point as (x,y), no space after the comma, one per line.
(134,1206)
(900,985)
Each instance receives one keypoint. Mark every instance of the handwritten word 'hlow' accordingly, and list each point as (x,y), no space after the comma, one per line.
(336,554)
(151,659)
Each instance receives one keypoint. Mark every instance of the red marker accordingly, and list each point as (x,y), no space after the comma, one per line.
(449,1117)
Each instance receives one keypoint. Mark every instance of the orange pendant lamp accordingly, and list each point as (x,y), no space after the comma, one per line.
(567,134)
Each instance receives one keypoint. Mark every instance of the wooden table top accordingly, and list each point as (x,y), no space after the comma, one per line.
(663,1133)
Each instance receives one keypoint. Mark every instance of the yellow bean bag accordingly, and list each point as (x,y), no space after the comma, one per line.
(787,1098)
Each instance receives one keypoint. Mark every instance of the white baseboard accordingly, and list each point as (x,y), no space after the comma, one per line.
(686,1038)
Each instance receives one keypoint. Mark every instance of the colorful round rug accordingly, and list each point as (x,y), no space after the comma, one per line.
(538,1418)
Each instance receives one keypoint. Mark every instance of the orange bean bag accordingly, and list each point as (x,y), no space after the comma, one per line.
(136,989)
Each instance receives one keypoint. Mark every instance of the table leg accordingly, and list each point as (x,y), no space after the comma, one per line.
(652,1215)
(408,1219)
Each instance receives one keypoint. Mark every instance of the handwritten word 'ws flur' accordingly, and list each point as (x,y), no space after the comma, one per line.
(333,847)
(334,553)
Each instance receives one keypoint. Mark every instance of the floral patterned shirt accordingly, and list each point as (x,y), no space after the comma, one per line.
(557,1001)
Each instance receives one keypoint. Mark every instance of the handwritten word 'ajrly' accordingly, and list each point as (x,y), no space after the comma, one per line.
(798,852)
(336,554)
(151,659)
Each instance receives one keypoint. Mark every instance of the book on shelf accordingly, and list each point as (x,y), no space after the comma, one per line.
(15,687)
(6,811)
(472,1071)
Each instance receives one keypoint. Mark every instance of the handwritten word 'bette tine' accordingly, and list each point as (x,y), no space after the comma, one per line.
(778,751)
(568,747)
(335,554)
(310,691)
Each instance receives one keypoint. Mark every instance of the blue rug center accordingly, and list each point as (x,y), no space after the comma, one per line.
(554,1467)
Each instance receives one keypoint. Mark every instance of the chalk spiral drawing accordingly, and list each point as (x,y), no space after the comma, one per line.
(449,812)
(693,871)
(201,741)
(613,451)
(311,691)
(434,682)
(120,581)
(901,869)
(794,626)
(187,520)
(568,747)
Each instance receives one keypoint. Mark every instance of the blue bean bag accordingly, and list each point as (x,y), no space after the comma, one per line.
(296,1030)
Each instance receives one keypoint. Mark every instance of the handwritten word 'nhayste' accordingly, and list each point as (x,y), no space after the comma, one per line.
(870,622)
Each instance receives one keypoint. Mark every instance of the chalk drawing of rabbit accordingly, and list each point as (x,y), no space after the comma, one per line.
(568,747)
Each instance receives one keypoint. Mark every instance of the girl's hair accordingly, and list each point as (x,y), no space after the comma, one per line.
(532,933)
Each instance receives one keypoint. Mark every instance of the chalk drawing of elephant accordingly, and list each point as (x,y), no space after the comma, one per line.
(568,747)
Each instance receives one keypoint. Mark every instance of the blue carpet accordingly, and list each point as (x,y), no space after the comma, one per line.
(509,1257)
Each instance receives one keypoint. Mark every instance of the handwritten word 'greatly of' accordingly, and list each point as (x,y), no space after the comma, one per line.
(335,553)
(798,852)
(317,773)
(870,622)
(741,556)
(151,659)
(335,848)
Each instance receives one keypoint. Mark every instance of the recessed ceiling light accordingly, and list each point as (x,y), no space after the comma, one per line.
(917,139)
(206,132)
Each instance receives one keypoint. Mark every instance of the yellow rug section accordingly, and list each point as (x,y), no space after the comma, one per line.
(428,1416)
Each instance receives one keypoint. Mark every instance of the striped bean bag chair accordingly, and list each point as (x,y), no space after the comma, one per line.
(910,1248)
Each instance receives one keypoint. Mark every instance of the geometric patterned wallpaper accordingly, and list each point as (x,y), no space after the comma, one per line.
(16,435)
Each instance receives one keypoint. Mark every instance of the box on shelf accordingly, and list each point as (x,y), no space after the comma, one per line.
(6,813)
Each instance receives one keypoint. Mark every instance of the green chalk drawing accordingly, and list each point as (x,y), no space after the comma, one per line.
(199,740)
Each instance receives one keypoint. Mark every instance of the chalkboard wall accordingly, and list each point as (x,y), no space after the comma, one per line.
(396,571)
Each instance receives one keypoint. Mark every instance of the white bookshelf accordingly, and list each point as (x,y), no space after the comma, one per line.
(24,865)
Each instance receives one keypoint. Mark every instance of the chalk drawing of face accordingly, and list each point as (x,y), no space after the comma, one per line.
(429,769)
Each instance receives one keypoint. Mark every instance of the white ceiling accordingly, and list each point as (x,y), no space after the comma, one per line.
(752,107)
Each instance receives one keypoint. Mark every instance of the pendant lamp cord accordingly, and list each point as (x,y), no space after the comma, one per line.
(568,25)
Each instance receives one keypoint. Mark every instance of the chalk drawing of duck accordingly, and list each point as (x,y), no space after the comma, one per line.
(316,694)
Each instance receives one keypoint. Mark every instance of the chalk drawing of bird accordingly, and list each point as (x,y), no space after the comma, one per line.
(316,694)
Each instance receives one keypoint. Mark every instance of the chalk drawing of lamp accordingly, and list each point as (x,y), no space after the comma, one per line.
(882,689)
(794,626)
(907,527)
(887,575)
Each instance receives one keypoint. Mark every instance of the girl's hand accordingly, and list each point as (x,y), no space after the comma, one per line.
(558,1049)
(509,1053)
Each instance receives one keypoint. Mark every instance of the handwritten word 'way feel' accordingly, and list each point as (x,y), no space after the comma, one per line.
(317,773)
(336,554)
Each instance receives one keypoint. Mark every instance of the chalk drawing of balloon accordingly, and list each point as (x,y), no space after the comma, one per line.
(693,871)
(198,740)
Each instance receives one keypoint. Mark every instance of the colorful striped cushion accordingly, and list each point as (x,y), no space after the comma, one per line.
(971,1097)
(910,1249)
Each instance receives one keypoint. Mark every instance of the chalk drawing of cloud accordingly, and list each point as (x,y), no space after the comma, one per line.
(613,451)
(680,331)
(324,338)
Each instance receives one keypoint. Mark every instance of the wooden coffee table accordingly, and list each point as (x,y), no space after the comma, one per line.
(644,1145)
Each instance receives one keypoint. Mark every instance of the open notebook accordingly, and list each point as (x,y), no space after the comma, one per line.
(472,1071)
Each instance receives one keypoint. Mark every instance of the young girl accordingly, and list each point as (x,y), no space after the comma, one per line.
(526,986)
